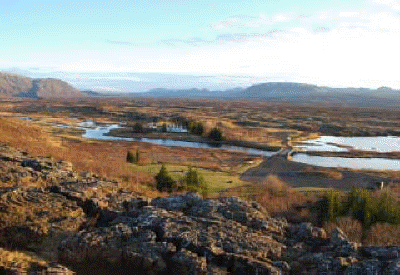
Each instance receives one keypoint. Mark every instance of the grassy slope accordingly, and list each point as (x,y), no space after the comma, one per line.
(216,181)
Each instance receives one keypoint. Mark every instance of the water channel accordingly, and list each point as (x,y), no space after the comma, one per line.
(100,133)
(324,143)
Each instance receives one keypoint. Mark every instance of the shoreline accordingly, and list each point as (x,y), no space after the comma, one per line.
(353,154)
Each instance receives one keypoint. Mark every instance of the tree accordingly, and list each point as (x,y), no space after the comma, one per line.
(197,128)
(194,182)
(137,155)
(132,158)
(388,210)
(361,206)
(215,135)
(330,207)
(164,182)
(138,128)
(129,157)
(164,128)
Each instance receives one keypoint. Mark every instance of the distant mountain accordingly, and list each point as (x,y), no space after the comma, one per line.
(92,93)
(278,90)
(307,93)
(292,92)
(188,93)
(13,85)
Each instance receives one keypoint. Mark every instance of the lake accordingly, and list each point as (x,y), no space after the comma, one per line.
(337,144)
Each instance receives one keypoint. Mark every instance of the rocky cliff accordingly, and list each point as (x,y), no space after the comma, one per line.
(108,230)
(12,85)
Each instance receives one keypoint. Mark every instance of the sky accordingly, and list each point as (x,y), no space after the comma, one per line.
(131,46)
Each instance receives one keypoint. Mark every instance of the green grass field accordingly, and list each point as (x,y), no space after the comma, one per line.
(216,181)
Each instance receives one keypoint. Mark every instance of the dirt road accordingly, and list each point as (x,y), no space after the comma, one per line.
(297,175)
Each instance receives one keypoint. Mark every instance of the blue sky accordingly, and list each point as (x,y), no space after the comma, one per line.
(139,45)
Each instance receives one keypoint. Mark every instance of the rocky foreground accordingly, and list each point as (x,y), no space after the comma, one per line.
(87,224)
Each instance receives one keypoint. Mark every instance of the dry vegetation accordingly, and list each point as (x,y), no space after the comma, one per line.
(381,234)
(264,123)
(109,158)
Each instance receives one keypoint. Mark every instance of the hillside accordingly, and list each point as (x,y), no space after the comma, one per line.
(13,85)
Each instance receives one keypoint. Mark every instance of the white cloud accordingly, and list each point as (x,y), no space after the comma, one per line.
(106,89)
(390,3)
(128,78)
(251,21)
(348,14)
(227,24)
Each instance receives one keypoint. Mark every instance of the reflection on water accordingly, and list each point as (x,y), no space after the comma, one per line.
(353,163)
(337,144)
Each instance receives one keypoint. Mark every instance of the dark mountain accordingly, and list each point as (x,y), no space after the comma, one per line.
(13,85)
(278,90)
(306,93)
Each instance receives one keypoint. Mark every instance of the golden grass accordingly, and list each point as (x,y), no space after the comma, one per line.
(381,234)
(7,258)
(279,199)
(108,159)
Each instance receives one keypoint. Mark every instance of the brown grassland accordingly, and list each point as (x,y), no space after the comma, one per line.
(266,124)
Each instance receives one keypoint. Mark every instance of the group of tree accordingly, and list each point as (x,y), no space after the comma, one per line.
(191,182)
(361,205)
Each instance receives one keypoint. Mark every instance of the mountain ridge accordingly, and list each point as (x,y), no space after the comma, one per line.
(291,92)
(14,85)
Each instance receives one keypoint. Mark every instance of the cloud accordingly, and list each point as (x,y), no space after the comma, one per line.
(246,21)
(127,78)
(117,42)
(106,89)
(227,23)
(390,3)
(194,41)
(321,29)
